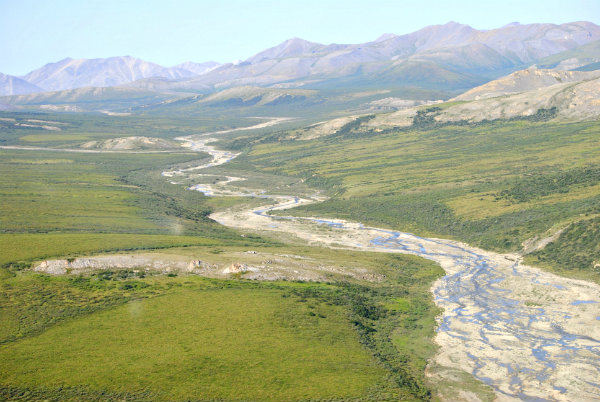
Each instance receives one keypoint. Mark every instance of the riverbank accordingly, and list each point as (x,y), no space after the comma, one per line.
(522,331)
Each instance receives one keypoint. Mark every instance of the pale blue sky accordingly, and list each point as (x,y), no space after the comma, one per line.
(36,32)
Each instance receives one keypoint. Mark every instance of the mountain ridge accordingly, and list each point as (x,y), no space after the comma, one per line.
(72,73)
(454,47)
(451,56)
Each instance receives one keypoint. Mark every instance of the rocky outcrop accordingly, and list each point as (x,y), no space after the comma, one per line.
(236,268)
(146,262)
(525,80)
(131,143)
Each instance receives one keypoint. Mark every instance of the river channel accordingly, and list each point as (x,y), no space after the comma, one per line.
(528,334)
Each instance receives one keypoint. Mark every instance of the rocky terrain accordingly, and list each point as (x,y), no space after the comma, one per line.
(562,95)
(248,264)
(10,85)
(525,80)
(453,51)
(131,143)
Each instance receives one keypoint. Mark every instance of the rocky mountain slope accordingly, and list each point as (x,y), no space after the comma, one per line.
(190,68)
(571,101)
(449,58)
(525,94)
(452,55)
(581,57)
(112,71)
(10,85)
(526,80)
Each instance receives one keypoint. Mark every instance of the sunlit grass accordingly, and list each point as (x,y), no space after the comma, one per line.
(444,181)
(53,137)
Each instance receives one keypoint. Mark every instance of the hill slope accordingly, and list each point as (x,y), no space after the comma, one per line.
(573,58)
(458,49)
(450,58)
(525,80)
(533,94)
(10,85)
(90,98)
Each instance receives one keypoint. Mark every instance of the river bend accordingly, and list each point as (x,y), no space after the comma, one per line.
(528,334)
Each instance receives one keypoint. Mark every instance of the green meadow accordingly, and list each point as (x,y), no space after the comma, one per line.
(150,336)
(201,344)
(117,335)
(139,336)
(64,204)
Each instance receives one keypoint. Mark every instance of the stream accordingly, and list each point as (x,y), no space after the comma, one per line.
(528,334)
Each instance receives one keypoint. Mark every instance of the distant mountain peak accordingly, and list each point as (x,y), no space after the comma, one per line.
(455,24)
(453,55)
(289,48)
(451,26)
(296,40)
(297,44)
(197,68)
(385,37)
(104,72)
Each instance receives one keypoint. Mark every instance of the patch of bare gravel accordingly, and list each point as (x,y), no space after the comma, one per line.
(527,333)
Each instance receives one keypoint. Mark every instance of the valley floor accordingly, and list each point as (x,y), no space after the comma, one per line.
(507,330)
(523,331)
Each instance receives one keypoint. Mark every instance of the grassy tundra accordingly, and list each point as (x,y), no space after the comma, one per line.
(139,336)
(493,184)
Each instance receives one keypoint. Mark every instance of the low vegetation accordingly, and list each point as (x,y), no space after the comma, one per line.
(575,252)
(111,335)
(65,204)
(491,184)
(114,334)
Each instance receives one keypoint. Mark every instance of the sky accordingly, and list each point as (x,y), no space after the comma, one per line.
(36,32)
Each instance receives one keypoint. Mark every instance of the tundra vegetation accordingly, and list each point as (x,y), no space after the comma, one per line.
(492,184)
(109,335)
(114,332)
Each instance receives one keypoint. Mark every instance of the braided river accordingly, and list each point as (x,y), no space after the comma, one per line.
(528,334)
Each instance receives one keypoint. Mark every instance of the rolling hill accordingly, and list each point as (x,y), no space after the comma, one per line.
(89,98)
(526,80)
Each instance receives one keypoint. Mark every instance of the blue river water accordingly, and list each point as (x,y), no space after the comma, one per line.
(529,335)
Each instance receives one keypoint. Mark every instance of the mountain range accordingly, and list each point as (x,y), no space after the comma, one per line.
(452,57)
(77,73)
(448,54)
(113,71)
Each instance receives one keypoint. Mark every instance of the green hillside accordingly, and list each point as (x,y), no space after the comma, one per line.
(491,184)
(114,332)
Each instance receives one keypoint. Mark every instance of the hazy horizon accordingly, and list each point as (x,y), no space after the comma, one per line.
(42,32)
